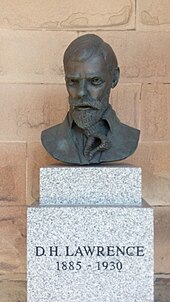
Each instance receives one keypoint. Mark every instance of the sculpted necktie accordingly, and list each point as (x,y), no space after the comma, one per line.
(92,140)
(95,142)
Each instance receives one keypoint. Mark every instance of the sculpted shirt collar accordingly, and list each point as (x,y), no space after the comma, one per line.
(109,116)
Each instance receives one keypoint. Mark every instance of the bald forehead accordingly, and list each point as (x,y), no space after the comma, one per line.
(95,66)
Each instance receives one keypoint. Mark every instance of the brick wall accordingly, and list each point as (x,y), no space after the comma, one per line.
(33,37)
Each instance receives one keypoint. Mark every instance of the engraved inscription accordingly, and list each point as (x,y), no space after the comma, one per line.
(105,251)
(98,257)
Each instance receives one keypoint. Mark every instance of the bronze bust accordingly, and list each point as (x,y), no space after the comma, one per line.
(91,132)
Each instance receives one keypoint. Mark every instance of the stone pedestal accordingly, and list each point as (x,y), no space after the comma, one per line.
(94,245)
(102,184)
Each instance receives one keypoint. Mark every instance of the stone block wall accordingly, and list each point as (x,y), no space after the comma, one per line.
(33,37)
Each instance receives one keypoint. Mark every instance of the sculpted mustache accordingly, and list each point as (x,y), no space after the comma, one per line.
(86,102)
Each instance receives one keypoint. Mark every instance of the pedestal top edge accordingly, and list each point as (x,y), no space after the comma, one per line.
(104,165)
(143,205)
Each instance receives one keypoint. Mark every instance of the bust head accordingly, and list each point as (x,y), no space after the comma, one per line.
(91,70)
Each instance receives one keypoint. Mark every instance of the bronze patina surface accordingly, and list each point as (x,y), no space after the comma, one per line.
(91,132)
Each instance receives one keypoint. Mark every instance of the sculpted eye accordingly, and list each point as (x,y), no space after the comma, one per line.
(71,82)
(96,81)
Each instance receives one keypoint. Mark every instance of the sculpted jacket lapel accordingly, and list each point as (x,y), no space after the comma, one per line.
(65,148)
(124,141)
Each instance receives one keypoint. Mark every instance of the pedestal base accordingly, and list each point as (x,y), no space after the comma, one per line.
(90,254)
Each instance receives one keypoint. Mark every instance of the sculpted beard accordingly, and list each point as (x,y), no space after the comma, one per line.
(87,111)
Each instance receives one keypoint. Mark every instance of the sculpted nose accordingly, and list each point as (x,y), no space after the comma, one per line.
(82,89)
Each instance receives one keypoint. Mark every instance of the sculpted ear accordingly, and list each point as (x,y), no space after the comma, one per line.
(115,76)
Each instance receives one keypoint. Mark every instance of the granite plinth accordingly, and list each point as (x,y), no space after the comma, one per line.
(90,254)
(104,184)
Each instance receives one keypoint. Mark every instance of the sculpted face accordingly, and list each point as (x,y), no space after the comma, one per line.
(88,84)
